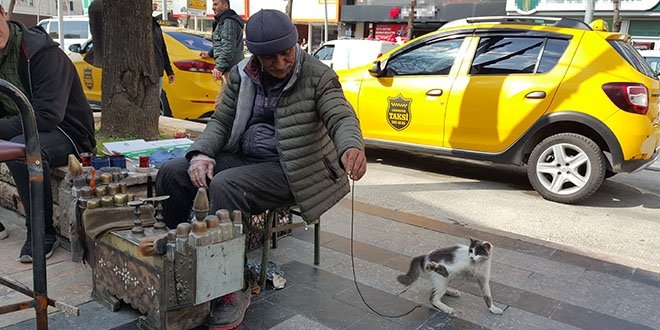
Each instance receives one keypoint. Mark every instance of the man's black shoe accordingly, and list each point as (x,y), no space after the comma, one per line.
(50,244)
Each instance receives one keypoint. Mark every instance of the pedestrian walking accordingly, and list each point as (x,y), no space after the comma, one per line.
(162,57)
(289,137)
(228,44)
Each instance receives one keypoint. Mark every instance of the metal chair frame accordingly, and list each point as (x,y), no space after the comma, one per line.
(31,155)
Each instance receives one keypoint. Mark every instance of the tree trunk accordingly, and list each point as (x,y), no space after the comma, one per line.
(411,19)
(130,84)
(616,20)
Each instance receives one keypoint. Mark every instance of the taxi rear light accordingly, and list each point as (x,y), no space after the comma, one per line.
(194,66)
(629,97)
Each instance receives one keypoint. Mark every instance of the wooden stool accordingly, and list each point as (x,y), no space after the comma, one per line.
(271,228)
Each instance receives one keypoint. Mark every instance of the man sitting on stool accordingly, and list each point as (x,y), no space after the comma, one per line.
(288,138)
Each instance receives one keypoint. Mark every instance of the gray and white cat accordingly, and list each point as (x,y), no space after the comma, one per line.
(456,262)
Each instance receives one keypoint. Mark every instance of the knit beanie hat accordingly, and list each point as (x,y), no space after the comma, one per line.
(270,32)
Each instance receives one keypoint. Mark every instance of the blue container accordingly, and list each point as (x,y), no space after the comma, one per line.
(118,161)
(99,162)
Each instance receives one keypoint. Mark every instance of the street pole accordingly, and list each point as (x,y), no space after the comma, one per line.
(60,24)
(325,21)
(164,15)
(411,18)
(616,20)
(589,12)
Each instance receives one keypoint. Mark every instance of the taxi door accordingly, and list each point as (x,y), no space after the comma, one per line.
(501,92)
(407,103)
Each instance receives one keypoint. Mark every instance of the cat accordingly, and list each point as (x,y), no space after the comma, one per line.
(456,262)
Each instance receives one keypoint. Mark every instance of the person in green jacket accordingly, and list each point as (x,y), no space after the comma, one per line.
(289,137)
(227,48)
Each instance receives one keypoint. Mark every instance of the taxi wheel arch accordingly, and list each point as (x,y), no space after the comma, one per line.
(566,168)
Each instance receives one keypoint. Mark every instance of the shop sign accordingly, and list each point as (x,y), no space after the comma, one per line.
(528,7)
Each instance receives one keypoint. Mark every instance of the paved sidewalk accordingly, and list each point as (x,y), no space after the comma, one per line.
(538,285)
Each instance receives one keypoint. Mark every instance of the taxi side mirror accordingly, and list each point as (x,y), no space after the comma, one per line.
(375,70)
(76,48)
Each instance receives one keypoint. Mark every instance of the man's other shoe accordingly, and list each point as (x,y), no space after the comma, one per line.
(3,231)
(50,244)
(227,312)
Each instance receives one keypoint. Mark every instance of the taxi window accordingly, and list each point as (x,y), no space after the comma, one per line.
(325,53)
(432,58)
(72,30)
(507,55)
(192,41)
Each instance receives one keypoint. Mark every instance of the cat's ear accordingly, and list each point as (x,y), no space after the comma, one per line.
(487,246)
(472,240)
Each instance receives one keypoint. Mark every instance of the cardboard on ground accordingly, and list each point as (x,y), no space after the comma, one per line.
(134,148)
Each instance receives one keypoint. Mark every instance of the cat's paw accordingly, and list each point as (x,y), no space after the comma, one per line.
(439,305)
(453,293)
(495,310)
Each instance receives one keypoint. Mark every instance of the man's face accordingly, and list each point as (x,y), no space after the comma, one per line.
(4,29)
(279,65)
(220,6)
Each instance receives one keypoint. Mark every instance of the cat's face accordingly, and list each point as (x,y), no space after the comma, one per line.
(479,250)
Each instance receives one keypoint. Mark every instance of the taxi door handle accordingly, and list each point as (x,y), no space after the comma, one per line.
(655,94)
(535,95)
(434,92)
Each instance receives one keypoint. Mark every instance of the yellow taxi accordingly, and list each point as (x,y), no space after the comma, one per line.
(191,96)
(574,104)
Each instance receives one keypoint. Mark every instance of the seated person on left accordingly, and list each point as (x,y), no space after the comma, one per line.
(34,63)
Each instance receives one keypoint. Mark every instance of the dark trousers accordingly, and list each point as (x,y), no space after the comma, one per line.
(55,150)
(238,184)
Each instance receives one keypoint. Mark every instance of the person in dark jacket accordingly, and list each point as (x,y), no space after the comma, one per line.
(162,57)
(35,64)
(289,137)
(227,48)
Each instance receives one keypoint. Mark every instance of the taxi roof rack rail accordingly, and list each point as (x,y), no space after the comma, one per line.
(538,20)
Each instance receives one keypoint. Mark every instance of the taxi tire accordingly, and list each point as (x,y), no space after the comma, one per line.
(165,109)
(591,170)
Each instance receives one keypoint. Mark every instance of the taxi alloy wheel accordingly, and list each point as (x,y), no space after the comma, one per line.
(566,168)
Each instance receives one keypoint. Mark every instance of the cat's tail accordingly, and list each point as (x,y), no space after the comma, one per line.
(416,266)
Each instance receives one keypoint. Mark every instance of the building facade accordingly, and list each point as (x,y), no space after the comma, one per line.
(30,12)
(638,17)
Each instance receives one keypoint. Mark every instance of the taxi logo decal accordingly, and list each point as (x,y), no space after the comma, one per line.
(398,112)
(87,77)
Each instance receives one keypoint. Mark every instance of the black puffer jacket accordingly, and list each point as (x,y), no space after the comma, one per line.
(54,90)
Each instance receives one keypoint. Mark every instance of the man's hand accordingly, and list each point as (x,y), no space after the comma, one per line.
(217,74)
(355,163)
(201,170)
(170,79)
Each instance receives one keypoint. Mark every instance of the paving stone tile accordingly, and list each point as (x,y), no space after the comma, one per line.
(632,310)
(374,322)
(444,321)
(299,323)
(535,264)
(408,314)
(646,277)
(320,308)
(361,250)
(514,318)
(591,320)
(593,264)
(315,278)
(264,314)
(101,317)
